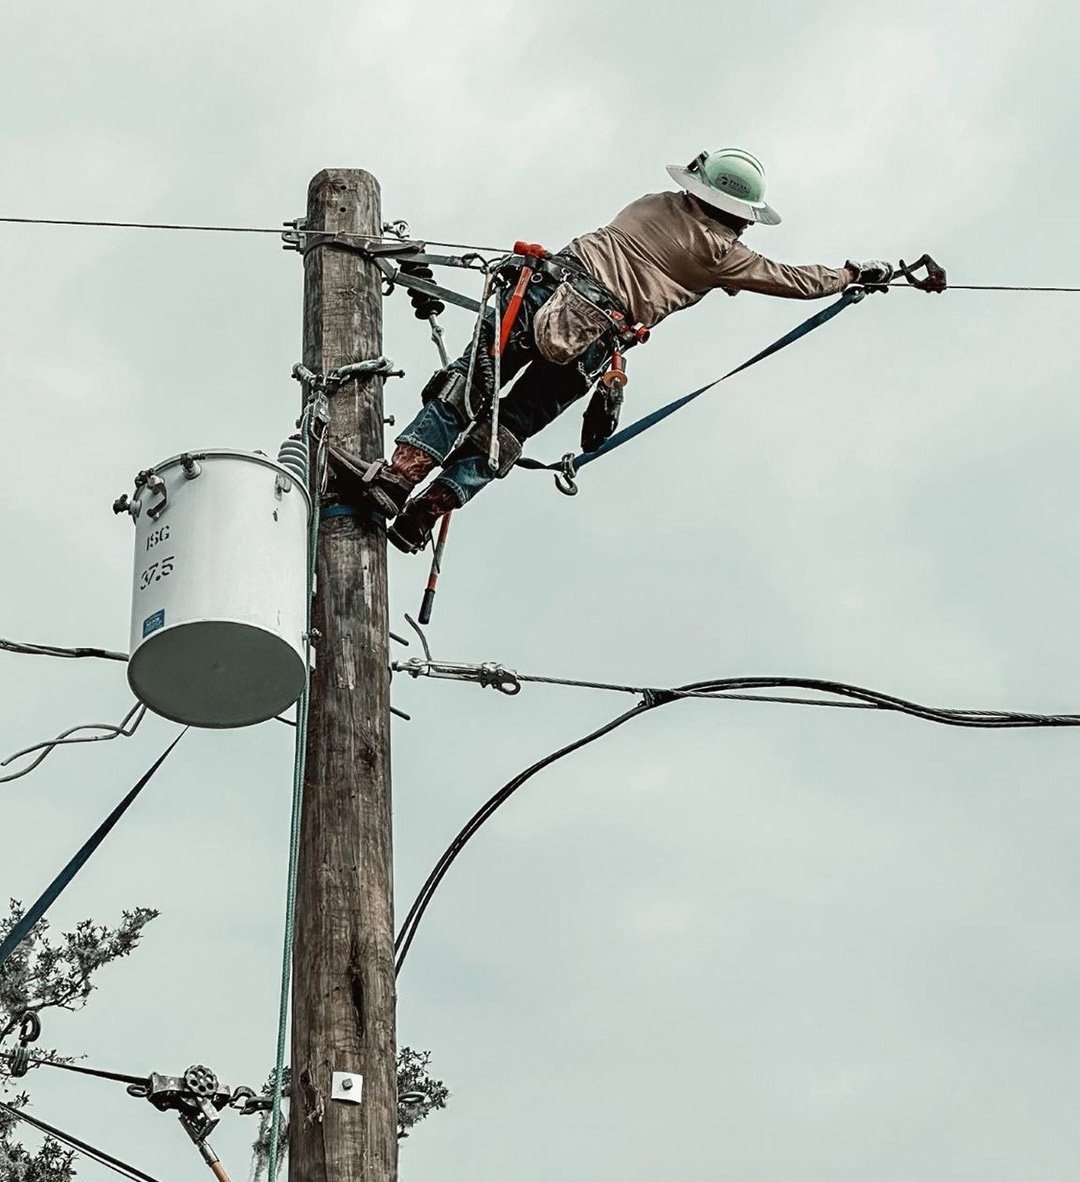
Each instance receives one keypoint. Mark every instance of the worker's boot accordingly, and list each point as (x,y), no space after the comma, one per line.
(413,529)
(383,486)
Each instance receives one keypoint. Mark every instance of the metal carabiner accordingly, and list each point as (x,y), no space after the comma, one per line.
(565,480)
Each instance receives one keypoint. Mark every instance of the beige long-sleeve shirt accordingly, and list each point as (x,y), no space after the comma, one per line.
(663,253)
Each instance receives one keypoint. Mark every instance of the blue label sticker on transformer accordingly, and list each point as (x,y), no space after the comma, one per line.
(154,622)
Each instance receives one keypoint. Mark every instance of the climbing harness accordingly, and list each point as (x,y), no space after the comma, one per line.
(56,888)
(530,253)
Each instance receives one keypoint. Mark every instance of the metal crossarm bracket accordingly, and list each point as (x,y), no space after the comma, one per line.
(394,276)
(381,254)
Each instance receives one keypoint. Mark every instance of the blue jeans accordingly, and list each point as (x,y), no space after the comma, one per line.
(541,393)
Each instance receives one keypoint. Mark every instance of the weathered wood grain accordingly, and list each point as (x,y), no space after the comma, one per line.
(343,978)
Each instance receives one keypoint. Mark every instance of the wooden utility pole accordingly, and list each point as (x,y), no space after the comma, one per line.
(343,969)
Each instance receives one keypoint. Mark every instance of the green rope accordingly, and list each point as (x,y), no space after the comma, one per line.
(299,765)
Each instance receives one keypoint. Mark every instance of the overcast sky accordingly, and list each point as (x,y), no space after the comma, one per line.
(733,941)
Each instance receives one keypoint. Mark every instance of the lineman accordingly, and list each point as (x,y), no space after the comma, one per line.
(662,253)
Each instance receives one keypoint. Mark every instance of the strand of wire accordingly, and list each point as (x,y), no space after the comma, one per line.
(50,650)
(653,699)
(852,697)
(117,1165)
(412,920)
(316,476)
(985,287)
(124,730)
(96,1073)
(212,229)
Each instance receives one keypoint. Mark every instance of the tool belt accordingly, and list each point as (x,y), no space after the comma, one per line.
(581,313)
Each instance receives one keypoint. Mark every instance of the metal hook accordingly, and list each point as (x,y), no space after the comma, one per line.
(29,1027)
(565,480)
(935,280)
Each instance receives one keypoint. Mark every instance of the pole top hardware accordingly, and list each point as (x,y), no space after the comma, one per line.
(292,237)
(319,383)
(488,675)
(148,478)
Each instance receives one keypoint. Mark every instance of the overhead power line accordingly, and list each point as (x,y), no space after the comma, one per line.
(856,696)
(52,650)
(94,1072)
(127,726)
(206,229)
(200,228)
(851,697)
(117,1165)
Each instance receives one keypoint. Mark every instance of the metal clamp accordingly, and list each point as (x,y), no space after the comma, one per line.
(149,479)
(489,675)
(360,369)
(935,280)
(292,237)
(157,486)
(319,385)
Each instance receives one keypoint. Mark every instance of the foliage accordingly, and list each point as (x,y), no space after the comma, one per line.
(419,1093)
(42,974)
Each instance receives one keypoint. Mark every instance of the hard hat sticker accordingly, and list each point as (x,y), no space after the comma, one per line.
(154,622)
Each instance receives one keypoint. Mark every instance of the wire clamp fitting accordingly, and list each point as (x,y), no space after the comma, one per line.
(292,237)
(317,384)
(489,675)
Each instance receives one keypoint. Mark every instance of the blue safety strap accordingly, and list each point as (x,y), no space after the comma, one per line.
(58,885)
(851,296)
(329,511)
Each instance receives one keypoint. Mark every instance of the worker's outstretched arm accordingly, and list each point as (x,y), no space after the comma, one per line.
(743,269)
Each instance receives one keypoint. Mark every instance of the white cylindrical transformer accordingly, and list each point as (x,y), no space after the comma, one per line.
(219,602)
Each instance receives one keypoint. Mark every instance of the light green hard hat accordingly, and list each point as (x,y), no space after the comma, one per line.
(728,179)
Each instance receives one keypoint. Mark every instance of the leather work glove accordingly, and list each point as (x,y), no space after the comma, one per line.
(873,275)
(601,417)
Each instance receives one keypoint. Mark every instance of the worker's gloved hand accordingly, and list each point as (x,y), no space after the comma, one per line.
(601,417)
(873,275)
